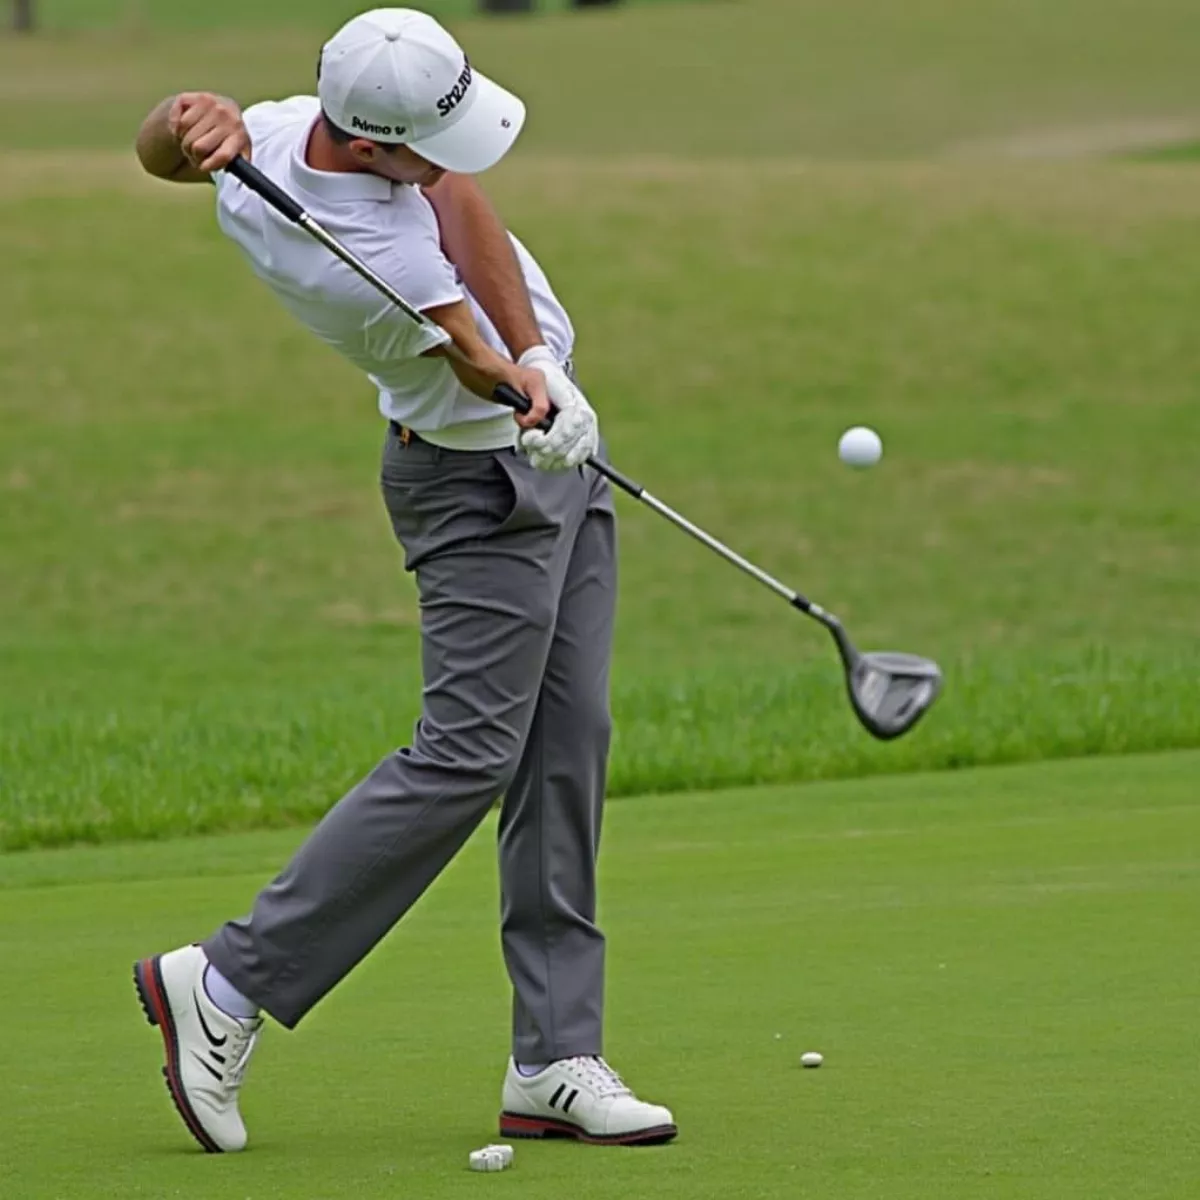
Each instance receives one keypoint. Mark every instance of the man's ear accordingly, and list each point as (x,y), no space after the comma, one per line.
(367,153)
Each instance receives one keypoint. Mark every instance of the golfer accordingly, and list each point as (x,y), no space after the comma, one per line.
(512,541)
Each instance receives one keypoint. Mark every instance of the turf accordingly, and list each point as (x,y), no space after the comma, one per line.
(997,965)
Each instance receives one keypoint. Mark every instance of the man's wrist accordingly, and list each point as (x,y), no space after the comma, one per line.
(522,345)
(537,354)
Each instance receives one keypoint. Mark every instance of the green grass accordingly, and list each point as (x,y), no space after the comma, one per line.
(204,625)
(169,15)
(1181,152)
(204,621)
(754,78)
(998,966)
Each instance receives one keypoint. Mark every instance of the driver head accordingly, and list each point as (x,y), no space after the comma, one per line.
(891,692)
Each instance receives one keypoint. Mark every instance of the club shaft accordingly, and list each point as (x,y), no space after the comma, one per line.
(730,556)
(702,536)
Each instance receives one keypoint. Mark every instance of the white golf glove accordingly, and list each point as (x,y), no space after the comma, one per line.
(575,433)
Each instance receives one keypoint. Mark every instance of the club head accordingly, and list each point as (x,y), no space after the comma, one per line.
(890,691)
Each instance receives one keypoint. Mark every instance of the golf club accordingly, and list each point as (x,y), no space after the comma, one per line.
(889,691)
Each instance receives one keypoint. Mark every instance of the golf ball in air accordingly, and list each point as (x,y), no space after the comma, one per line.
(811,1059)
(860,447)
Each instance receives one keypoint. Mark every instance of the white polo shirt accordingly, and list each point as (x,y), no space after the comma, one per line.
(394,229)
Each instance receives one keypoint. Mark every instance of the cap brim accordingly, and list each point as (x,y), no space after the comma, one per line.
(481,137)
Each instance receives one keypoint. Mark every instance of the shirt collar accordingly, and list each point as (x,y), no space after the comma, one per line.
(337,186)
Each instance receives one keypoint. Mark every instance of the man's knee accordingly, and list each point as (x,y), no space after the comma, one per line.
(480,765)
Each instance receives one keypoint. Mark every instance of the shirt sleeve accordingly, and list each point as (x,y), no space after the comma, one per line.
(264,118)
(267,118)
(412,261)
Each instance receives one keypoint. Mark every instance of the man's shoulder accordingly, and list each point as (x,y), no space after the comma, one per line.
(404,214)
(401,232)
(266,116)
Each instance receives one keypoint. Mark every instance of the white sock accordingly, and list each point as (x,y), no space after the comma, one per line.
(226,997)
(527,1070)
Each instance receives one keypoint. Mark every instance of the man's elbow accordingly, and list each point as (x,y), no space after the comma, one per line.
(157,151)
(149,163)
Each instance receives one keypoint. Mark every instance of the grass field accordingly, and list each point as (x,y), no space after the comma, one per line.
(141,15)
(997,965)
(972,226)
(1183,152)
(203,620)
(739,79)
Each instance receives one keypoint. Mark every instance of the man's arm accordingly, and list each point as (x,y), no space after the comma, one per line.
(475,241)
(479,368)
(573,437)
(187,137)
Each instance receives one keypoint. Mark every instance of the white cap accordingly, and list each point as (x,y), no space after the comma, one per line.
(396,76)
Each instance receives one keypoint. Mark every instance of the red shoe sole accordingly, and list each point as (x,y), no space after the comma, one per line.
(147,978)
(513,1125)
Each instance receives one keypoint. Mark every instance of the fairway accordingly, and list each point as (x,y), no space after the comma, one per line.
(997,965)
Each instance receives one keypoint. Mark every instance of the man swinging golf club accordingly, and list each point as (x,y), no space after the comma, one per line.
(513,545)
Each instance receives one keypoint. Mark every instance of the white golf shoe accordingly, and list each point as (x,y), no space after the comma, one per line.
(581,1098)
(207,1050)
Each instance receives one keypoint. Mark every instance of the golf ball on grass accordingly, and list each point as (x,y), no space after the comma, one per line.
(811,1059)
(860,447)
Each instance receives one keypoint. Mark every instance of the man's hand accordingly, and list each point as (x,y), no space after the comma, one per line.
(531,383)
(575,434)
(209,130)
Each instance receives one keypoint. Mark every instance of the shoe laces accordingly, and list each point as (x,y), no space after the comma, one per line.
(241,1047)
(599,1076)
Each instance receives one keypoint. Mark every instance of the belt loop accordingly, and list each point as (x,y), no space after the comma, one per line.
(405,435)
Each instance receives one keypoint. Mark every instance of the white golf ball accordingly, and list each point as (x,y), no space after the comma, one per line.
(811,1059)
(860,447)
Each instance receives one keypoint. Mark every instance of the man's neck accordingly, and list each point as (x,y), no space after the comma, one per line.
(324,154)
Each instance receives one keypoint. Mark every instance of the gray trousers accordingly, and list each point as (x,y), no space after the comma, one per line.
(516,573)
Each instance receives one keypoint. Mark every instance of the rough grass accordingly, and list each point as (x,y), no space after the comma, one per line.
(203,620)
(998,966)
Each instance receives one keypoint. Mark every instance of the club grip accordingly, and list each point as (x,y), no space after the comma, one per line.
(508,395)
(275,196)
